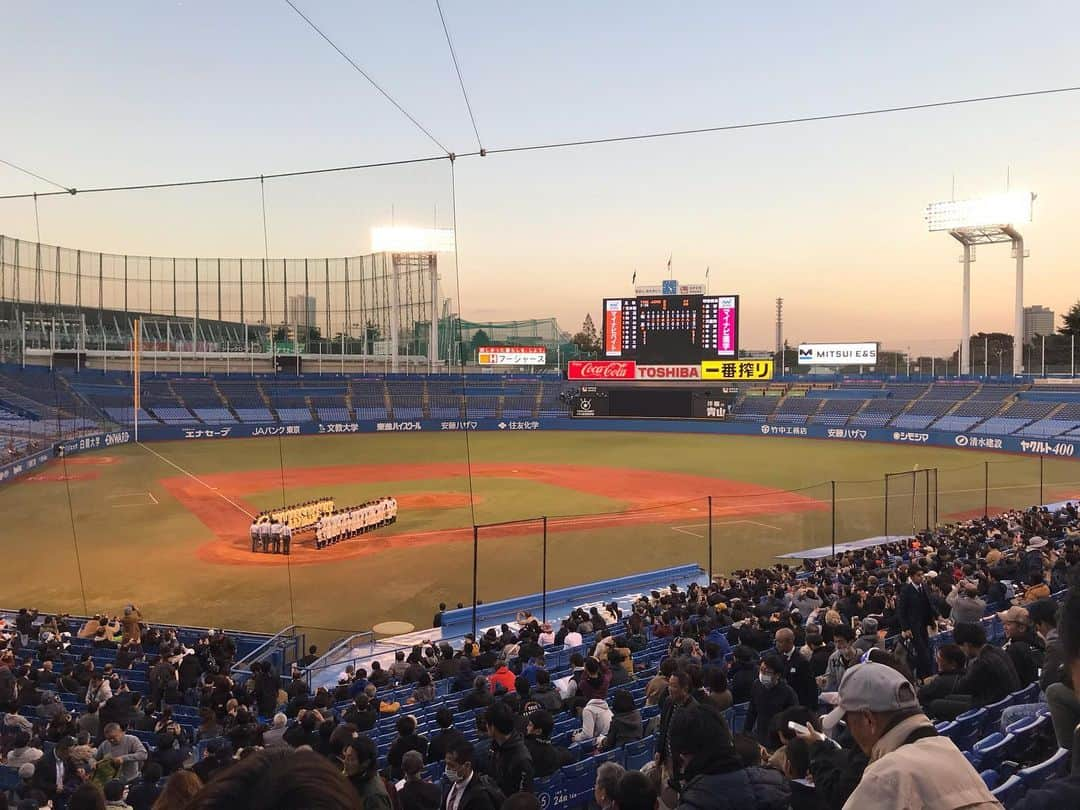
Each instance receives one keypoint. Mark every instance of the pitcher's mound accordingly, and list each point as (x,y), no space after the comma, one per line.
(433,500)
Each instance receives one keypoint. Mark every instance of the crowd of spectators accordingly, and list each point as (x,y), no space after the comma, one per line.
(837,669)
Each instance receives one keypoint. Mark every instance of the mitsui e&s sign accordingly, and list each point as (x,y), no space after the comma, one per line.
(838,354)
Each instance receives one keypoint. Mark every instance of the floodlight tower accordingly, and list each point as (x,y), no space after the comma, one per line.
(986,221)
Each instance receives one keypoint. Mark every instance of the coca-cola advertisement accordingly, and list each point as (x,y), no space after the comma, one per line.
(601,370)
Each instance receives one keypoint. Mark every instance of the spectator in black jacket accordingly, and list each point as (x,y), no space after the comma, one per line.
(168,753)
(770,696)
(1043,615)
(511,765)
(361,714)
(447,737)
(1024,648)
(546,756)
(804,794)
(219,756)
(416,793)
(144,792)
(545,692)
(950,663)
(744,673)
(407,740)
(990,674)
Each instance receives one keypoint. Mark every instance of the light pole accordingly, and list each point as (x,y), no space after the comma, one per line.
(986,221)
(999,353)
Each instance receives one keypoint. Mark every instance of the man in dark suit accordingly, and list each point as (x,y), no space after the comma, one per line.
(916,614)
(469,789)
(797,671)
(56,775)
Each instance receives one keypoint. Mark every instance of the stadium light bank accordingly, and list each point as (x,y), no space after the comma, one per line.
(986,221)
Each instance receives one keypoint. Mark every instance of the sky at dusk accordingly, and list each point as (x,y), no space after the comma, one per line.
(827,215)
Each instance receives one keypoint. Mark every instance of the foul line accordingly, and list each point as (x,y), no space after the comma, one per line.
(195,478)
(686,529)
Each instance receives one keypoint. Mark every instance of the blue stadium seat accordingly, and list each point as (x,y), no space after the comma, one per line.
(579,779)
(640,752)
(991,751)
(1056,765)
(990,778)
(1029,694)
(739,720)
(994,711)
(1010,791)
(550,792)
(969,727)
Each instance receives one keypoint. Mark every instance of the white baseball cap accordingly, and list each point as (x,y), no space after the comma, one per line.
(871,687)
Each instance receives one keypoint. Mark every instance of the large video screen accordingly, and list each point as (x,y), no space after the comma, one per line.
(675,329)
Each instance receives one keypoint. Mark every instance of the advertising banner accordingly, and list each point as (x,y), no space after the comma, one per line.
(613,327)
(727,331)
(667,372)
(737,370)
(601,370)
(512,356)
(838,354)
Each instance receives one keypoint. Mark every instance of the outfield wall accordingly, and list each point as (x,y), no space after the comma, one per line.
(1056,447)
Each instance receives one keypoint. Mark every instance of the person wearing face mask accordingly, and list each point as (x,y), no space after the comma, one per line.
(770,696)
(911,765)
(845,655)
(469,790)
(361,771)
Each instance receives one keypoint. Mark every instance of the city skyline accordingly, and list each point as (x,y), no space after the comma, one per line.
(826,215)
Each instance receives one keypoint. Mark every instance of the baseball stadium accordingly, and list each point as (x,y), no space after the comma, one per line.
(313,518)
(506,468)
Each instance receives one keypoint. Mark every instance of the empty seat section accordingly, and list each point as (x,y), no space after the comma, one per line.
(406,398)
(755,408)
(878,412)
(254,415)
(172,415)
(215,416)
(836,412)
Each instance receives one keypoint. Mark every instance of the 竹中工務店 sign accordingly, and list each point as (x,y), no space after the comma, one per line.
(838,354)
(737,370)
(512,356)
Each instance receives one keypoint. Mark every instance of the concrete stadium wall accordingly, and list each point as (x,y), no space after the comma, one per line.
(1058,447)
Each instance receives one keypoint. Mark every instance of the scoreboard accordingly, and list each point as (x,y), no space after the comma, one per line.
(676,329)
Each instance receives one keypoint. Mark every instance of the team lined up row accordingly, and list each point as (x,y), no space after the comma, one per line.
(354,520)
(298,516)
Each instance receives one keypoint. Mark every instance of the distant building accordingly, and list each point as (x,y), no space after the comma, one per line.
(1038,320)
(302,310)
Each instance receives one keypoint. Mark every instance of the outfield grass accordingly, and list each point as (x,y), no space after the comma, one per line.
(136,542)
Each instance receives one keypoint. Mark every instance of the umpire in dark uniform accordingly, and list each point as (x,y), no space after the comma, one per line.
(916,613)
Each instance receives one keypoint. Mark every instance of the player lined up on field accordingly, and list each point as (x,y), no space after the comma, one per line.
(351,521)
(272,530)
(298,516)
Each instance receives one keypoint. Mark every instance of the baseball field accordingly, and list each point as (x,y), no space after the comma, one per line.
(165,525)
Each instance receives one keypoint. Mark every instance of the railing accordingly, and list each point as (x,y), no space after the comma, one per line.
(354,641)
(275,649)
